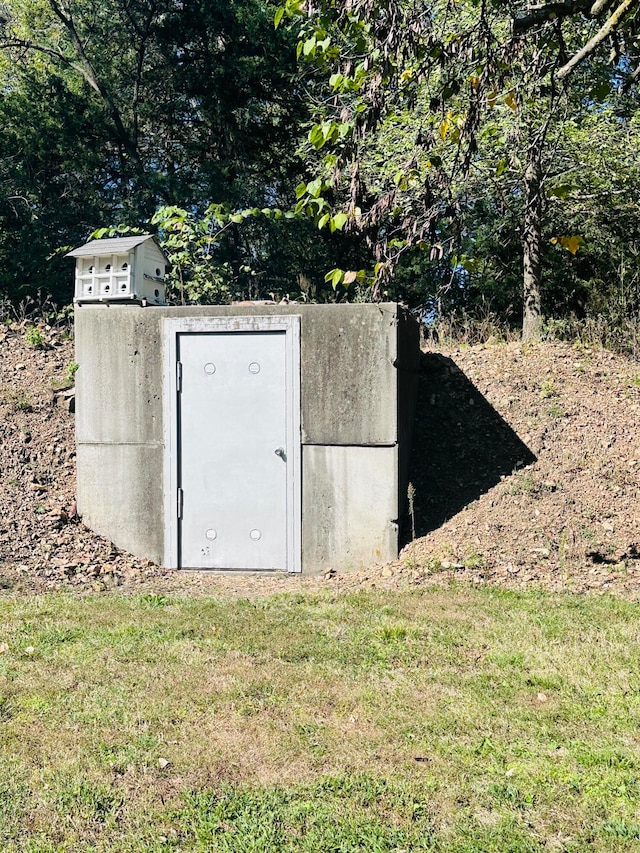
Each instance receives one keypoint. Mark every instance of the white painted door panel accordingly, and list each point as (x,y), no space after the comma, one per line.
(232,434)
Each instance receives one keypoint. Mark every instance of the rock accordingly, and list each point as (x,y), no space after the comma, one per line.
(544,552)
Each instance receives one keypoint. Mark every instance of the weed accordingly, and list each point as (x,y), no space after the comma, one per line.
(154,600)
(40,509)
(89,802)
(622,829)
(474,560)
(256,697)
(483,325)
(393,633)
(67,380)
(411,494)
(563,548)
(617,333)
(33,337)
(433,565)
(548,389)
(20,401)
(410,562)
(340,813)
(523,484)
(555,410)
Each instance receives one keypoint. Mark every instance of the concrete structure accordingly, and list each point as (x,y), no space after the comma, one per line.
(351,378)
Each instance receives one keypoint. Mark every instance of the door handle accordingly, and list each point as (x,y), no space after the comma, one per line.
(279,451)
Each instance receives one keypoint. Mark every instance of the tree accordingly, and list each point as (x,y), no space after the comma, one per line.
(114,110)
(440,70)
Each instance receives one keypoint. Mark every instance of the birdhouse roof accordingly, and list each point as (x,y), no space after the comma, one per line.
(113,246)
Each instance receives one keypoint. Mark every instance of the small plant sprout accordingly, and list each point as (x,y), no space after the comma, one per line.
(71,371)
(556,411)
(34,338)
(67,380)
(548,389)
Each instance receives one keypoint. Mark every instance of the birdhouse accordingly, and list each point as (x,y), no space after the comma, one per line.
(120,269)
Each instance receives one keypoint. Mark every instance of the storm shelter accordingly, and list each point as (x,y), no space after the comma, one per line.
(248,437)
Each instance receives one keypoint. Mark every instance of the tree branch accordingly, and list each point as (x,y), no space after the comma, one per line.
(549,12)
(608,27)
(598,6)
(89,74)
(25,44)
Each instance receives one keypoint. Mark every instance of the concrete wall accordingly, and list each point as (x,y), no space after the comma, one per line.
(359,371)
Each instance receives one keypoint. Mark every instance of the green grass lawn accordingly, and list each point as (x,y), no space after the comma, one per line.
(454,720)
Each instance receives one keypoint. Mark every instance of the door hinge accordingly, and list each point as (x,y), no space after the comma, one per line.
(180,503)
(178,376)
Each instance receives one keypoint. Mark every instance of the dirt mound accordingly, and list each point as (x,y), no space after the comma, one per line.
(524,472)
(533,471)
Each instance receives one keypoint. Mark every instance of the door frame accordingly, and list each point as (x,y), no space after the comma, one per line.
(171,328)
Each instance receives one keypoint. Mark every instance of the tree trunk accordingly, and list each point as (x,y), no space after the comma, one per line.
(532,302)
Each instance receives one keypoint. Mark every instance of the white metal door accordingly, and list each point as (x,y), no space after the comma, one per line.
(237,449)
(232,429)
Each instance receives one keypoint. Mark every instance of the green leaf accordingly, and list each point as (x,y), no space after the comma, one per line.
(309,47)
(316,136)
(323,220)
(334,276)
(277,18)
(561,191)
(338,221)
(314,188)
(236,217)
(294,7)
